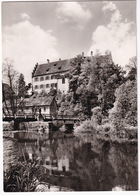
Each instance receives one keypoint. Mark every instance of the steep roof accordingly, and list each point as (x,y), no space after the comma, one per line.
(33,101)
(63,65)
(52,67)
(38,101)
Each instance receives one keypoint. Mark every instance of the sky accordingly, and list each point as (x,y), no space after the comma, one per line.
(36,31)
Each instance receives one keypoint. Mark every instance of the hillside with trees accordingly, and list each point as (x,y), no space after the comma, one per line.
(92,82)
(97,82)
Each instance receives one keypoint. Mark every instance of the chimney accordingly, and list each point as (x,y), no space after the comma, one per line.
(82,54)
(91,53)
(48,60)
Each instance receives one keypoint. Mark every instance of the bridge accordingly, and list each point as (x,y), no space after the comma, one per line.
(37,117)
(68,120)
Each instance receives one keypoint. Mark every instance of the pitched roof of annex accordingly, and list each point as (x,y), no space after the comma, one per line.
(35,100)
(38,101)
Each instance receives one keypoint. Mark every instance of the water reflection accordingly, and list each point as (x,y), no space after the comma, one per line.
(78,163)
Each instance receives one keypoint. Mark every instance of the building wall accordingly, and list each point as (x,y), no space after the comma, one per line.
(47,81)
(28,110)
(63,87)
(44,110)
(61,165)
(43,84)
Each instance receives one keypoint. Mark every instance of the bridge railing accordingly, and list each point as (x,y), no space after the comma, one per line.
(60,117)
(9,115)
(20,116)
(45,116)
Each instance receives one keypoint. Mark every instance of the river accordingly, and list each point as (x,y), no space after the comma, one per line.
(82,162)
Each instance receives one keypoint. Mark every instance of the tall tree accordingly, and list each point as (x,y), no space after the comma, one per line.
(16,86)
(10,77)
(92,82)
(132,68)
(124,111)
(22,92)
(104,79)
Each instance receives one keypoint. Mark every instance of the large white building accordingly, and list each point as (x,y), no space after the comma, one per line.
(51,75)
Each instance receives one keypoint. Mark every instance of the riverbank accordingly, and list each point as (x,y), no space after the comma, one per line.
(33,135)
(106,132)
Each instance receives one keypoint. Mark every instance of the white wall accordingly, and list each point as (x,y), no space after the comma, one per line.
(63,162)
(63,87)
(47,111)
(43,83)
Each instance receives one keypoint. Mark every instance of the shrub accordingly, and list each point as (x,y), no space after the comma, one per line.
(22,177)
(85,127)
(125,107)
(131,132)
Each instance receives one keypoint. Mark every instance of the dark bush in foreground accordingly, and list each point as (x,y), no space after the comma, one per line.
(21,177)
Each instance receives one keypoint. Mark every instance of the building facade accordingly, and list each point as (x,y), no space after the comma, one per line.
(51,75)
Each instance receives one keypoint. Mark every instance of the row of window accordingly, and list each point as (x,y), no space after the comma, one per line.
(52,77)
(45,78)
(37,109)
(47,86)
(48,77)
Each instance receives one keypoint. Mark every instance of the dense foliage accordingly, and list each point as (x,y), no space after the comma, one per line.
(92,82)
(102,91)
(6,92)
(123,115)
(22,89)
(126,103)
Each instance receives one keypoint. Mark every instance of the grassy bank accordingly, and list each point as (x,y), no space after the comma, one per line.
(107,132)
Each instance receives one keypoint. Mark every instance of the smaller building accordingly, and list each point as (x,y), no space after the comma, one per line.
(37,104)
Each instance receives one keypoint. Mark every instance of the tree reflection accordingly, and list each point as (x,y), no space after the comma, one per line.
(82,164)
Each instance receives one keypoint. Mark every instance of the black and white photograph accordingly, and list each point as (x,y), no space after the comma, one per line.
(69,96)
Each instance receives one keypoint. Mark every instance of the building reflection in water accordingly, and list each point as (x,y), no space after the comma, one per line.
(84,164)
(53,164)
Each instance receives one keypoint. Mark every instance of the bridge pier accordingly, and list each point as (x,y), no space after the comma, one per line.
(53,127)
(69,128)
(16,124)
